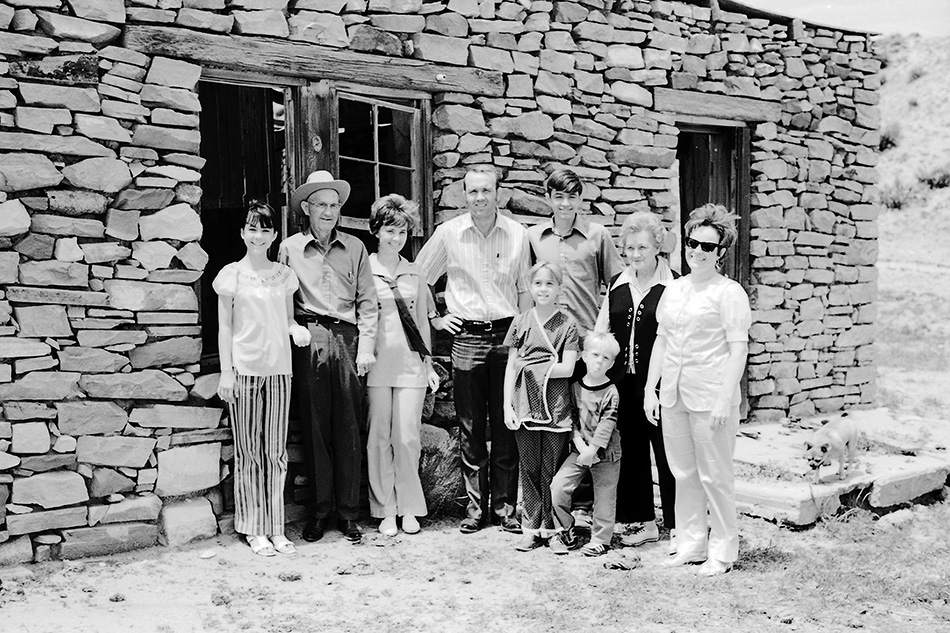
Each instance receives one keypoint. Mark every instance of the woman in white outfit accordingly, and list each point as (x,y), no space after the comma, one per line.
(700,352)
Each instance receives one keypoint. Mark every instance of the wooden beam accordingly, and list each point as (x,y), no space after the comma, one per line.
(716,106)
(311,61)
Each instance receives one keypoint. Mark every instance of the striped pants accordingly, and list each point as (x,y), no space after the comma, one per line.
(259,416)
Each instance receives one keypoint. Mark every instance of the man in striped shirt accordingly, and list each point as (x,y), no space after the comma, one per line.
(485,256)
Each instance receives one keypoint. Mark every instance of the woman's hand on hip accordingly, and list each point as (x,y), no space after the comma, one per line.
(433,379)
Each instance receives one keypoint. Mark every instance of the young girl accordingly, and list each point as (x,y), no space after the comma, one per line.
(397,383)
(255,325)
(543,349)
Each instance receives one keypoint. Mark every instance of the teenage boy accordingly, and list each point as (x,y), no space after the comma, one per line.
(596,449)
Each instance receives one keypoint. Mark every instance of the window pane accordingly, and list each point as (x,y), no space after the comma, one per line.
(362,187)
(395,137)
(356,129)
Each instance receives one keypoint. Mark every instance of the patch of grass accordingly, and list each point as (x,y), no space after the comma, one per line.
(897,195)
(936,178)
(890,136)
(915,74)
(759,559)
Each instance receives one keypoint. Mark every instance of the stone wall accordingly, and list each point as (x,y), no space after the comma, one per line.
(107,439)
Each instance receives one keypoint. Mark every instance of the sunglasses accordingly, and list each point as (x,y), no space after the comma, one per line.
(708,247)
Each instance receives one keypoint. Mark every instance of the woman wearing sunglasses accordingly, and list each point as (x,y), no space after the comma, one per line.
(700,352)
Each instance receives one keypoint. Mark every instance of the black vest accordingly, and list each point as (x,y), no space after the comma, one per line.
(623,320)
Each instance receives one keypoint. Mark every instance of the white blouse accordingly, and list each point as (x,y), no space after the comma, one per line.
(260,336)
(699,322)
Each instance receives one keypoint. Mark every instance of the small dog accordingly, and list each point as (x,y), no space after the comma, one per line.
(837,439)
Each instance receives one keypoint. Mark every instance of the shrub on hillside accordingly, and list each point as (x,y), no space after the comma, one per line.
(890,136)
(897,195)
(915,74)
(936,178)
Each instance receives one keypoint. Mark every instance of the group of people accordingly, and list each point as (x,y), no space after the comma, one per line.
(554,387)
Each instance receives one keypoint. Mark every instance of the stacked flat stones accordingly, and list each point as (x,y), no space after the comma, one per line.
(104,440)
(99,336)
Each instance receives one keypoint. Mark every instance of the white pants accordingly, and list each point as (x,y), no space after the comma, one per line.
(393,450)
(700,459)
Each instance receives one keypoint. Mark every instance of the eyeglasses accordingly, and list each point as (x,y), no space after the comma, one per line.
(708,247)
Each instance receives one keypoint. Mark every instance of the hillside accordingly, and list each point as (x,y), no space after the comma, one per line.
(913,341)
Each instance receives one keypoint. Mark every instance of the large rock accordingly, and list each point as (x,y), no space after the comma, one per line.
(459,119)
(104,252)
(142,295)
(16,551)
(102,128)
(122,225)
(59,26)
(106,481)
(192,256)
(369,39)
(107,539)
(170,416)
(42,385)
(149,384)
(69,145)
(177,222)
(107,338)
(319,28)
(631,93)
(167,97)
(43,521)
(73,202)
(99,174)
(43,320)
(138,199)
(9,273)
(166,138)
(145,508)
(50,490)
(534,126)
(153,255)
(60,225)
(54,273)
(30,438)
(173,73)
(67,250)
(188,469)
(184,521)
(271,23)
(90,418)
(23,294)
(28,411)
(173,351)
(117,450)
(22,348)
(91,360)
(14,218)
(439,48)
(22,171)
(8,461)
(204,20)
(42,120)
(112,11)
(71,98)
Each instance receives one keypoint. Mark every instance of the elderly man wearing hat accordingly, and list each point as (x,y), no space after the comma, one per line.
(337,300)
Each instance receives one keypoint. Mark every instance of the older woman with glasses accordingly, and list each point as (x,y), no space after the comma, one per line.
(700,352)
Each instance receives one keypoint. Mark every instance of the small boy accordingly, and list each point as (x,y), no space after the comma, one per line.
(596,448)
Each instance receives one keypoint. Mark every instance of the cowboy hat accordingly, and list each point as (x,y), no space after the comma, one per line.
(316,181)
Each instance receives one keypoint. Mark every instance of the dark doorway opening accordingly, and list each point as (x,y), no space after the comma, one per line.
(242,140)
(714,167)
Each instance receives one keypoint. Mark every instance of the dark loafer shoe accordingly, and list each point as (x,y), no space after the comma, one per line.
(509,524)
(351,531)
(314,530)
(470,526)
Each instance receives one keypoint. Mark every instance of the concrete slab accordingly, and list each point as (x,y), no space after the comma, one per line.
(901,459)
